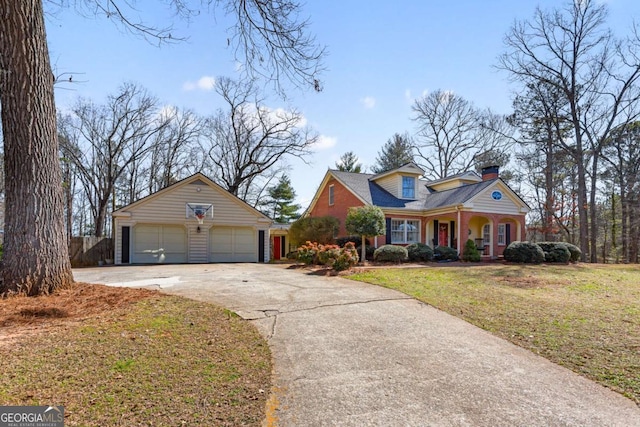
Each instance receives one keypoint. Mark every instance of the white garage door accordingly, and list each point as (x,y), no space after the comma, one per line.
(159,244)
(233,244)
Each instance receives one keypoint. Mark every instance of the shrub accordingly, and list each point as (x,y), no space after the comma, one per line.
(308,253)
(347,258)
(341,241)
(445,253)
(314,229)
(470,252)
(524,252)
(368,251)
(419,252)
(330,255)
(391,253)
(555,252)
(575,251)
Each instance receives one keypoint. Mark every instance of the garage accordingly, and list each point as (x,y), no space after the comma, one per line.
(159,244)
(191,221)
(233,244)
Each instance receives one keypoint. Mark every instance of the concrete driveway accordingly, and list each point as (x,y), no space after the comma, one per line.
(352,354)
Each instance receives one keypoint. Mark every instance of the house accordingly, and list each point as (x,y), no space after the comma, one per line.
(445,212)
(192,221)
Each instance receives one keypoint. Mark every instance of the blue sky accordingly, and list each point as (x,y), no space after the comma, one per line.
(381,57)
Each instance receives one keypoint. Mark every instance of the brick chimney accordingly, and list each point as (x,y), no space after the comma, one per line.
(490,172)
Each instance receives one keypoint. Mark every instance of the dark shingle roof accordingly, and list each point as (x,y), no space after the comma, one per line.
(373,194)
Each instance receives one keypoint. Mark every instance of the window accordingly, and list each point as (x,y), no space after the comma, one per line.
(502,233)
(331,197)
(486,234)
(408,187)
(405,231)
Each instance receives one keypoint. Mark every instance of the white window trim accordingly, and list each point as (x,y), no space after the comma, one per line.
(402,177)
(404,240)
(502,234)
(332,195)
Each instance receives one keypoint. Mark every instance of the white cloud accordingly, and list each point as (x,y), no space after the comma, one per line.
(369,102)
(325,142)
(205,83)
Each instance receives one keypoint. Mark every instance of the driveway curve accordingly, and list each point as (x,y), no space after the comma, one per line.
(352,354)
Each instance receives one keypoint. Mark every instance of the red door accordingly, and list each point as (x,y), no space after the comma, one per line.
(443,235)
(277,247)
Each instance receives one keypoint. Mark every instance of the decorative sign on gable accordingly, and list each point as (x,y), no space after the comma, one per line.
(496,195)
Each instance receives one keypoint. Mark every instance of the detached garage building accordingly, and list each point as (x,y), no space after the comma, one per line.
(192,221)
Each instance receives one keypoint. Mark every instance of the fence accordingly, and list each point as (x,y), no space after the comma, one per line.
(89,250)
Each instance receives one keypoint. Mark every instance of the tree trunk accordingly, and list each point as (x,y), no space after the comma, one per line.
(583,217)
(36,259)
(593,211)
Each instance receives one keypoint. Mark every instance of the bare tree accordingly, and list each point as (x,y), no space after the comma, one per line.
(175,153)
(571,50)
(105,140)
(248,143)
(36,257)
(453,133)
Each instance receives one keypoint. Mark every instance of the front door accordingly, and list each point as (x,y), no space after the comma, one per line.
(443,234)
(277,247)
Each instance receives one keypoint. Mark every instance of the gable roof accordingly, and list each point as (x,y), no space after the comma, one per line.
(197,178)
(410,168)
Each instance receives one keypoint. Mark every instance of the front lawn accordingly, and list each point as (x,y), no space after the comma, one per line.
(585,317)
(126,357)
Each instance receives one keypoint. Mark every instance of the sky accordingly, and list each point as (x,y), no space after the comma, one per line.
(381,56)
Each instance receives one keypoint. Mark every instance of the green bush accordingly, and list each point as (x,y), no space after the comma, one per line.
(576,253)
(470,252)
(314,229)
(419,252)
(524,252)
(555,252)
(445,253)
(391,253)
(368,251)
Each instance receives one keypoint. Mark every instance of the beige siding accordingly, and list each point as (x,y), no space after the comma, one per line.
(483,202)
(447,185)
(198,244)
(391,183)
(171,207)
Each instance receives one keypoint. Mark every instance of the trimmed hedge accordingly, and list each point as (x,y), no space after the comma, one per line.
(524,252)
(557,252)
(445,253)
(470,252)
(391,253)
(419,252)
(576,253)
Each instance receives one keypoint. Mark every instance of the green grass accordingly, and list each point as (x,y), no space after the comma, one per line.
(584,317)
(165,361)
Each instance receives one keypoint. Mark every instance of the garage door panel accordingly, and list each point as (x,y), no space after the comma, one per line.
(233,244)
(159,244)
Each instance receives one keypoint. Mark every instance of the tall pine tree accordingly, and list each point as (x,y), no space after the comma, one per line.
(280,206)
(397,151)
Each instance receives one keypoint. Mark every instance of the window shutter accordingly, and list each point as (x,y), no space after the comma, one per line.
(388,227)
(435,232)
(452,233)
(507,233)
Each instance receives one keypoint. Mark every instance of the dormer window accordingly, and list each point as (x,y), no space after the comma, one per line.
(408,187)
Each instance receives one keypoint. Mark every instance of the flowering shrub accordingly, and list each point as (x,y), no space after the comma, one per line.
(330,255)
(308,253)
